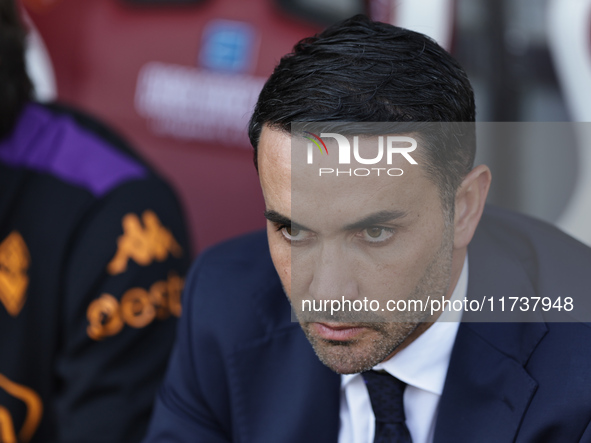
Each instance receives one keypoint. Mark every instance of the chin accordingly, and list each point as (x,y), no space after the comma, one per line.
(375,345)
(347,358)
(351,356)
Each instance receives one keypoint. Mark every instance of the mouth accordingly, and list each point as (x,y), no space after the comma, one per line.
(336,331)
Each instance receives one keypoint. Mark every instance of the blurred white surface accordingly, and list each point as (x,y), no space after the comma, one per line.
(569,39)
(39,65)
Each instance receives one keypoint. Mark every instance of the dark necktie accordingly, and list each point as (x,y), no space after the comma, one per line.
(385,393)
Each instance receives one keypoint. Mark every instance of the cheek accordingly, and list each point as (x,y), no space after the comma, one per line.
(281,256)
(394,272)
(386,280)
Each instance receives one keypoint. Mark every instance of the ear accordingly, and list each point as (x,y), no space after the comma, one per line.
(470,199)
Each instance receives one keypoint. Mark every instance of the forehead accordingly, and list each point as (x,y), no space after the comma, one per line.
(312,196)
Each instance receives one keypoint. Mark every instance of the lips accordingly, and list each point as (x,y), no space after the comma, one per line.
(336,331)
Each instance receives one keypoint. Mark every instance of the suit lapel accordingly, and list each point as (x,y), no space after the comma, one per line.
(485,395)
(283,392)
(487,390)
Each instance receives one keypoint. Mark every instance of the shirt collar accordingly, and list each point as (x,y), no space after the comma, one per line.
(423,364)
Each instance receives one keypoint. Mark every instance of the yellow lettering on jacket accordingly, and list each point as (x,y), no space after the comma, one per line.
(14,263)
(103,317)
(32,419)
(138,307)
(7,434)
(143,243)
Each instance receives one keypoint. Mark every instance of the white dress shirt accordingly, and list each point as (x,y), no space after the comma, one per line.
(422,366)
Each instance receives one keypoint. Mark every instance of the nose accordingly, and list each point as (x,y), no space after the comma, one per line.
(333,274)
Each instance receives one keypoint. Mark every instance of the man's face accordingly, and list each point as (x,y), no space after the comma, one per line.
(376,238)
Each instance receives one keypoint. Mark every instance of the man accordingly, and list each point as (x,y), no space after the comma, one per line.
(242,371)
(93,252)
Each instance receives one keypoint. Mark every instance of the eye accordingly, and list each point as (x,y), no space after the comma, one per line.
(377,234)
(294,234)
(292,231)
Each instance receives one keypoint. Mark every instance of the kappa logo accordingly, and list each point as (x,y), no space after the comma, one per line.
(33,416)
(143,243)
(14,263)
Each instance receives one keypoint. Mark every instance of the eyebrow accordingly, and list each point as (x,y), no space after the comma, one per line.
(376,219)
(278,219)
(371,220)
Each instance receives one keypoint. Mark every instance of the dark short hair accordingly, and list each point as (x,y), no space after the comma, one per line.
(359,70)
(15,85)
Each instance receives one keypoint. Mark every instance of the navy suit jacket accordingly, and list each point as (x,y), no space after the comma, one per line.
(241,371)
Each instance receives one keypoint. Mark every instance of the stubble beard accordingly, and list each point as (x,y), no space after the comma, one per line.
(383,338)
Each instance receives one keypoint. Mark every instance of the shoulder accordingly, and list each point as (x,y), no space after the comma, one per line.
(552,263)
(249,252)
(524,236)
(72,147)
(541,357)
(60,158)
(233,290)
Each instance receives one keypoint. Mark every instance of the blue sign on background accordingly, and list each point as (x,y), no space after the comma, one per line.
(228,46)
